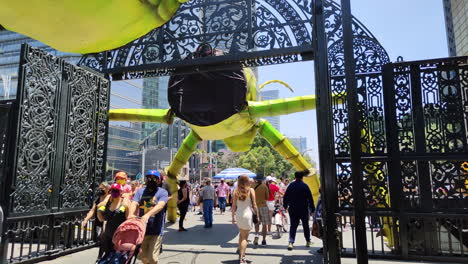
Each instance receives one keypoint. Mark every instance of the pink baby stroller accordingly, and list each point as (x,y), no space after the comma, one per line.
(127,240)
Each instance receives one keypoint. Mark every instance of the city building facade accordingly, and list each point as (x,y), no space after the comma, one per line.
(300,143)
(270,95)
(456,23)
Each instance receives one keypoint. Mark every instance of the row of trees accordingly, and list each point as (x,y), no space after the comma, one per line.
(261,158)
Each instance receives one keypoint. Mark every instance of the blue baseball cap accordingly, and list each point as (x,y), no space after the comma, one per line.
(153,173)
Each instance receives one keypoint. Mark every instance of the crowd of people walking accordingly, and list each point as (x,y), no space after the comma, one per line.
(256,204)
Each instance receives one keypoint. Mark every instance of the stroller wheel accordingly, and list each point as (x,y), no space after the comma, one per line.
(278,231)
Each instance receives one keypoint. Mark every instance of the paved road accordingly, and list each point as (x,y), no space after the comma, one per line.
(218,245)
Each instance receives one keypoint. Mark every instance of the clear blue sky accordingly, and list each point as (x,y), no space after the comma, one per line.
(413,29)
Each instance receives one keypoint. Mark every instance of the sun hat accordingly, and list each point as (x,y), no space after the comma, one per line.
(259,177)
(121,175)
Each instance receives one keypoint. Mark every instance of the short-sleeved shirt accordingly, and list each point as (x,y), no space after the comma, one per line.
(273,190)
(223,190)
(261,194)
(208,192)
(147,200)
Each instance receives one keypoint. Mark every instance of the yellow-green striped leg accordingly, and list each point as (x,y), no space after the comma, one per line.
(285,106)
(142,115)
(281,144)
(182,156)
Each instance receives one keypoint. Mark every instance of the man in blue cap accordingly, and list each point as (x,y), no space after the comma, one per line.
(150,202)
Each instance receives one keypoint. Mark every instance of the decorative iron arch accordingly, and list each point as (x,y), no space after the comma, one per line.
(253,32)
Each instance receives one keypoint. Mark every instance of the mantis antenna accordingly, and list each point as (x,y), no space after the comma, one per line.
(275,81)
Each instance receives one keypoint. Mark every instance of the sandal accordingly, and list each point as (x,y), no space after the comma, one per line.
(242,261)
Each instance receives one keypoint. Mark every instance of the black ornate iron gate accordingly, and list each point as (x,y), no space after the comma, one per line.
(358,137)
(427,112)
(56,132)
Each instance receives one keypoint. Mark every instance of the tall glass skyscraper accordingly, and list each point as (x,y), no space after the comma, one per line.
(270,95)
(456,23)
(10,48)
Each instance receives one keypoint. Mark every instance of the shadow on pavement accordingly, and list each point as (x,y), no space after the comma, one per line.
(219,234)
(302,259)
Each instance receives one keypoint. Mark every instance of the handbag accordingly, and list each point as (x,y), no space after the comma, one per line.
(316,230)
(254,215)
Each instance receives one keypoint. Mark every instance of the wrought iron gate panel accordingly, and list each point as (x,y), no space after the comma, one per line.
(428,104)
(84,88)
(37,131)
(253,32)
(60,136)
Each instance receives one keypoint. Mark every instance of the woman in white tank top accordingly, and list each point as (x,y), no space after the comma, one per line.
(243,206)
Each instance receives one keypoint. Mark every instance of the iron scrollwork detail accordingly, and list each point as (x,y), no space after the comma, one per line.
(369,58)
(38,121)
(84,89)
(240,28)
(59,105)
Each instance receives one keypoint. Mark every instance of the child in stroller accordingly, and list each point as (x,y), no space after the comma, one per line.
(280,220)
(127,240)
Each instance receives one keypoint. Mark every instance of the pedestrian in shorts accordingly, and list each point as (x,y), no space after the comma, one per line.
(261,196)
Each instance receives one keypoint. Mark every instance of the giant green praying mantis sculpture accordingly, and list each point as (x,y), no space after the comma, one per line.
(86,26)
(236,126)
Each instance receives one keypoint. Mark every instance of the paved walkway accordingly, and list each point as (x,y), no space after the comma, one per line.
(218,245)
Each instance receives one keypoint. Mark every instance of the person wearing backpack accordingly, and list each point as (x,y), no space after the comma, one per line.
(151,201)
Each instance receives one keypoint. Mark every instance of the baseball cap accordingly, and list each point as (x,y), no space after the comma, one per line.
(116,186)
(153,173)
(269,178)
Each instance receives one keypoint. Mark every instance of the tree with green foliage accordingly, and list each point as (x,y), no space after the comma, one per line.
(249,161)
(262,158)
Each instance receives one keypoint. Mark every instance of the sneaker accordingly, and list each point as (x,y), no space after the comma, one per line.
(255,242)
(264,243)
(290,246)
(308,244)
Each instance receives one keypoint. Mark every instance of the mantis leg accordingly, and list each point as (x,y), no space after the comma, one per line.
(281,144)
(278,107)
(285,106)
(142,115)
(182,156)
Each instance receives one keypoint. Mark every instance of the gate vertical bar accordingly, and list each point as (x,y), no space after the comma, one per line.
(11,155)
(9,166)
(354,133)
(325,134)
(420,144)
(394,162)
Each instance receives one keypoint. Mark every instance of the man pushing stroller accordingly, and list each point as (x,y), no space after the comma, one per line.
(150,202)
